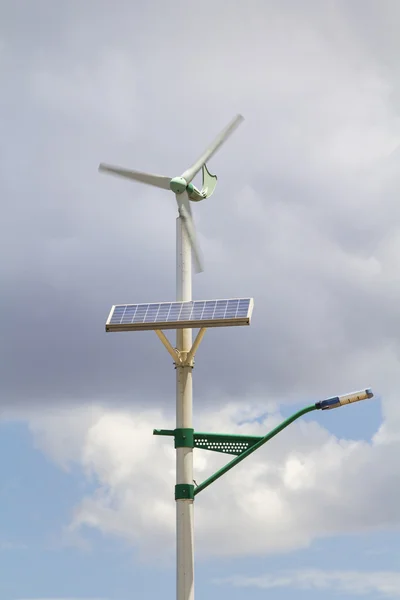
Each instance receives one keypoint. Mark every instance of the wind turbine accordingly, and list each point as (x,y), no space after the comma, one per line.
(183,187)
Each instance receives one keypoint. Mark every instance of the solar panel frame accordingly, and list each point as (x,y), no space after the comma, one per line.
(180,315)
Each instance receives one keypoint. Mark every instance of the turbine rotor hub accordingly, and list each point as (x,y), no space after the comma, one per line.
(178,185)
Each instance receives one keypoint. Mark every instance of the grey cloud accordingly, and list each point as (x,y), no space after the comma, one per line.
(302,218)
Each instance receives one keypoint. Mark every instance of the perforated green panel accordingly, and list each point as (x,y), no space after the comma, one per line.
(227,444)
(216,442)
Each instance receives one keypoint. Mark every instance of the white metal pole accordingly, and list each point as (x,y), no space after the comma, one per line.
(184,419)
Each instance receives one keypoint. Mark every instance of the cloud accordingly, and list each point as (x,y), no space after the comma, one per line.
(74,94)
(306,219)
(357,583)
(303,485)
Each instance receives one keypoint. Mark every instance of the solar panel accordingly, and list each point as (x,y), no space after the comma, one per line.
(180,315)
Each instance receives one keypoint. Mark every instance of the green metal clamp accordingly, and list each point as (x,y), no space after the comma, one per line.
(184,491)
(184,437)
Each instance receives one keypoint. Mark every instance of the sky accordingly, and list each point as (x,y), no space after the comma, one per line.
(305,219)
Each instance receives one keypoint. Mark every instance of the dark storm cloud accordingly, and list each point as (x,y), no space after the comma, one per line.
(300,218)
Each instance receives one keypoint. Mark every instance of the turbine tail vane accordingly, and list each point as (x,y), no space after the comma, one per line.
(209,183)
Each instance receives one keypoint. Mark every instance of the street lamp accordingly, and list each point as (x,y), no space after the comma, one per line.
(244,445)
(342,400)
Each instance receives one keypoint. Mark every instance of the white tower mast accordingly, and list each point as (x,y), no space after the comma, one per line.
(184,419)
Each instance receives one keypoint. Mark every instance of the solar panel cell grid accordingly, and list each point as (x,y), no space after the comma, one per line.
(180,311)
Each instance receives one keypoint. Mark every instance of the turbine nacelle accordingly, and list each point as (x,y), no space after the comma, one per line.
(178,185)
(182,186)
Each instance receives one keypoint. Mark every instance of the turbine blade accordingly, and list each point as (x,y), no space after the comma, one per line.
(190,173)
(157,180)
(185,212)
